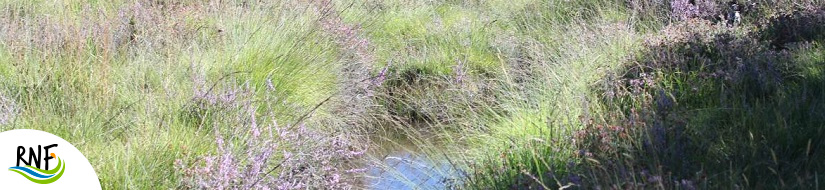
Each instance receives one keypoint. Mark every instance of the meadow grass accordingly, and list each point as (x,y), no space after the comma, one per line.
(520,94)
(126,103)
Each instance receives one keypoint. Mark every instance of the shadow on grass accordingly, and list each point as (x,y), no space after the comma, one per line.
(721,109)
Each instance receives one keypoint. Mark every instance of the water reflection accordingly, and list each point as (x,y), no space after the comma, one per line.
(401,164)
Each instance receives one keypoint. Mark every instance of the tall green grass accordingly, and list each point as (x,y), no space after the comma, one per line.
(125,106)
(515,94)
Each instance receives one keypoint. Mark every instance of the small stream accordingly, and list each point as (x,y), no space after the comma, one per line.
(400,164)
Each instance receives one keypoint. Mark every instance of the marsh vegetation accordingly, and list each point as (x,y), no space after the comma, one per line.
(497,94)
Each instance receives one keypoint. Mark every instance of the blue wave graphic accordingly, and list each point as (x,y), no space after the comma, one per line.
(31,172)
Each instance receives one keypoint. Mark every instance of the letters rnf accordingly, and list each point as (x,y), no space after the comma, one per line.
(35,158)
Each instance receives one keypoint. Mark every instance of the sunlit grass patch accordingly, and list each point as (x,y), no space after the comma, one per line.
(295,59)
(433,37)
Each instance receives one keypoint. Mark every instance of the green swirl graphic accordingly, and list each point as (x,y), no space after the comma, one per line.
(61,167)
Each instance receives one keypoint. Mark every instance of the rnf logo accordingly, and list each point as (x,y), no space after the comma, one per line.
(40,160)
(32,169)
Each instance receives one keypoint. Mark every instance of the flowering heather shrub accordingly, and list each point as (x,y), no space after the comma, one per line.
(309,159)
(645,133)
(20,32)
(8,110)
(713,51)
(247,150)
(687,9)
(229,169)
(682,32)
(155,24)
(356,85)
(217,96)
(650,9)
(695,81)
(319,160)
(802,25)
(150,25)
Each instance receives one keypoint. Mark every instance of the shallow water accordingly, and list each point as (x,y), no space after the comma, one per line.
(402,165)
(408,171)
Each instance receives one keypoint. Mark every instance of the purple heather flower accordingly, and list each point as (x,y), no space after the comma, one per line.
(8,110)
(687,184)
(575,179)
(382,76)
(687,9)
(308,159)
(460,72)
(663,102)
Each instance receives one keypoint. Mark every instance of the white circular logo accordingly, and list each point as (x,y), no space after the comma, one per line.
(35,159)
